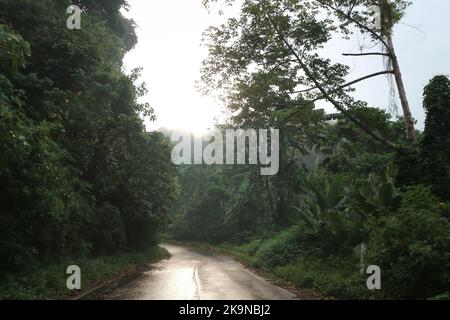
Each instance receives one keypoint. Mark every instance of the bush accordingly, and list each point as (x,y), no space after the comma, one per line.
(335,276)
(411,247)
(271,251)
(279,250)
(107,230)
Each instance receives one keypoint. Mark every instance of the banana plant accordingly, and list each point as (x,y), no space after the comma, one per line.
(378,194)
(322,204)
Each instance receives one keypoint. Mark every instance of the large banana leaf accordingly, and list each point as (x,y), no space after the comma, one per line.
(334,193)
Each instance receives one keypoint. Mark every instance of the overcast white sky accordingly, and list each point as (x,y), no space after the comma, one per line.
(169,50)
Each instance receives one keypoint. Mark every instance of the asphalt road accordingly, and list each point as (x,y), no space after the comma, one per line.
(198,275)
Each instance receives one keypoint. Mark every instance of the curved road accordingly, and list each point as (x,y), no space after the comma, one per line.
(198,275)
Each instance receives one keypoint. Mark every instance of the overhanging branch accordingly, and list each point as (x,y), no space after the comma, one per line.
(327,95)
(366,54)
(348,84)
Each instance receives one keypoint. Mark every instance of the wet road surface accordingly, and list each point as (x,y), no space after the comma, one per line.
(198,275)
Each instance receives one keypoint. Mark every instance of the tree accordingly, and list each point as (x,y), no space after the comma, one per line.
(80,175)
(256,104)
(39,193)
(282,37)
(345,149)
(200,210)
(379,25)
(435,145)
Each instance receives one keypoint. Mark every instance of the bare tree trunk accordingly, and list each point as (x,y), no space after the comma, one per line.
(409,121)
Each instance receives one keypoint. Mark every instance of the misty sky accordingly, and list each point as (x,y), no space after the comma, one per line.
(169,50)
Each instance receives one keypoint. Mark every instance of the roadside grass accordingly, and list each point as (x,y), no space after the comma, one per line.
(333,277)
(49,281)
(311,276)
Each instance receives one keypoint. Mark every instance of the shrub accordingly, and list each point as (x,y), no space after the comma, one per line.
(279,250)
(107,230)
(411,247)
(334,276)
(328,221)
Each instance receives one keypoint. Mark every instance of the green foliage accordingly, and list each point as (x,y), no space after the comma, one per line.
(38,192)
(411,247)
(391,13)
(271,251)
(200,212)
(49,281)
(332,225)
(13,49)
(337,188)
(280,254)
(377,195)
(236,202)
(107,232)
(334,276)
(80,176)
(435,145)
(279,249)
(327,200)
(348,150)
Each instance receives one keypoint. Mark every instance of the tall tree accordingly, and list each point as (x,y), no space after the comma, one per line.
(80,175)
(284,35)
(379,25)
(435,145)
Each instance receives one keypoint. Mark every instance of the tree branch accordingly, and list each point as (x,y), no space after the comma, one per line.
(305,90)
(359,24)
(366,54)
(327,95)
(303,104)
(349,83)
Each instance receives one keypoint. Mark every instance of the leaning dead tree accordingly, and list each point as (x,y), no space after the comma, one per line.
(386,13)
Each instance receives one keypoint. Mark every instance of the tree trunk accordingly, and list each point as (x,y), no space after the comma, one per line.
(409,121)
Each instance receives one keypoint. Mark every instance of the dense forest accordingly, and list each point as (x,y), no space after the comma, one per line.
(82,179)
(79,174)
(351,192)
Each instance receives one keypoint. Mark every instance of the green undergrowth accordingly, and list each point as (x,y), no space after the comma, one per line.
(49,281)
(332,276)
